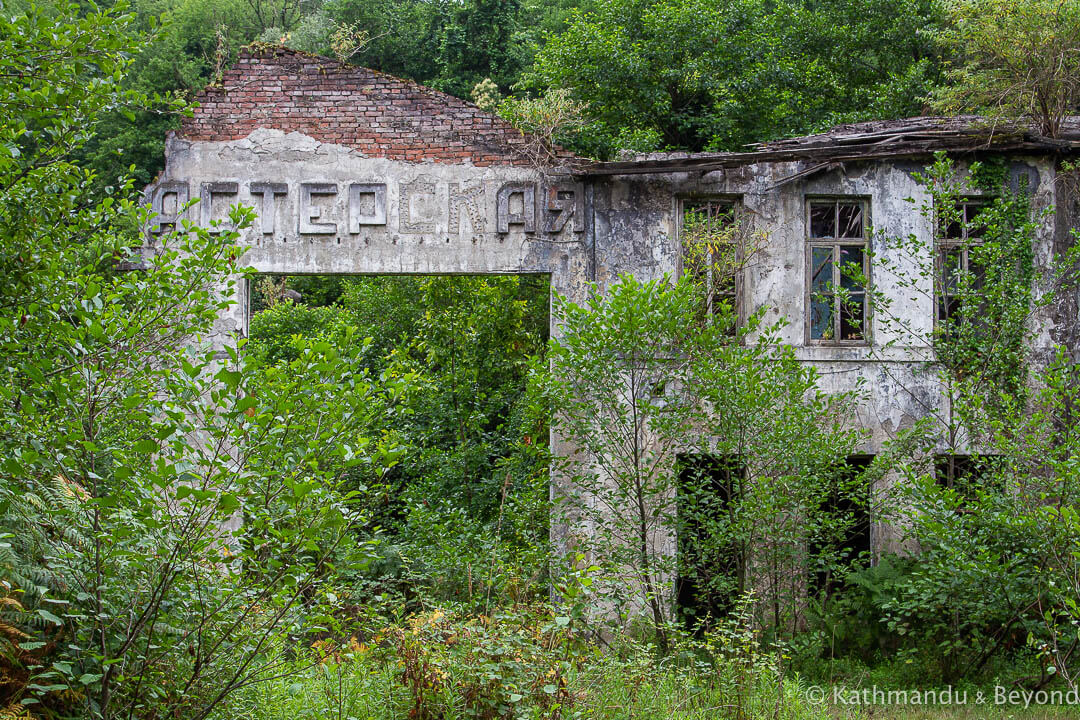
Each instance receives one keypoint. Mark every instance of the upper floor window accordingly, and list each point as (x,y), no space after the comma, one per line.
(838,262)
(958,233)
(710,233)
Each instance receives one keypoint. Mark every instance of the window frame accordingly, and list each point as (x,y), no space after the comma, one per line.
(836,244)
(685,203)
(944,245)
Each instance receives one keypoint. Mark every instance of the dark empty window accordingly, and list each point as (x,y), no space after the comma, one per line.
(837,311)
(967,474)
(843,534)
(957,268)
(712,572)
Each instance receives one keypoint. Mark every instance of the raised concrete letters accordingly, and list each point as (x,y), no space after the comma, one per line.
(167,202)
(310,212)
(467,202)
(268,190)
(206,200)
(516,205)
(565,202)
(419,207)
(423,206)
(367,205)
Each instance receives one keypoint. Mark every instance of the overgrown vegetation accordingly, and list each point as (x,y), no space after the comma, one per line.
(741,72)
(348,515)
(984,483)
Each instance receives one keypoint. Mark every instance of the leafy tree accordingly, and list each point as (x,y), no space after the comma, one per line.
(129,586)
(1017,60)
(979,275)
(181,46)
(791,502)
(470,484)
(636,375)
(986,475)
(478,42)
(686,74)
(447,46)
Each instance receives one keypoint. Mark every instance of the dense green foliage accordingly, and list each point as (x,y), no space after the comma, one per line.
(472,455)
(634,377)
(449,46)
(679,75)
(986,485)
(671,74)
(691,74)
(355,501)
(521,663)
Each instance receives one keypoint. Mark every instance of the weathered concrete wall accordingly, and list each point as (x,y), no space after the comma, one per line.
(329,209)
(357,173)
(636,232)
(637,222)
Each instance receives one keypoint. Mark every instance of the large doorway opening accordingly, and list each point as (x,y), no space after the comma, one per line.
(458,492)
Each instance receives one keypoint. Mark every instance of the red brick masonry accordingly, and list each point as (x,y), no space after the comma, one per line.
(377,114)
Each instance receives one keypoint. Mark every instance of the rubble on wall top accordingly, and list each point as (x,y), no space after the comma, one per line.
(910,137)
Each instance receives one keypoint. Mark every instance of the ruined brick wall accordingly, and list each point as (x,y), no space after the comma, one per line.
(379,115)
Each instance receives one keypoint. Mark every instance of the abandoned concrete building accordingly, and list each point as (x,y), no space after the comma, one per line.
(355,172)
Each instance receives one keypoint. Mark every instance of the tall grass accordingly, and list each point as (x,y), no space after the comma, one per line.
(531,665)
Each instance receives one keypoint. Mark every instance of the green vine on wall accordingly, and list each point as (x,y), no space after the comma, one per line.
(984,343)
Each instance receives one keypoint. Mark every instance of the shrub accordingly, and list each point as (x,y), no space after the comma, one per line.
(489,666)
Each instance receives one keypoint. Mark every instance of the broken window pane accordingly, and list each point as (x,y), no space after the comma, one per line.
(968,475)
(711,252)
(822,269)
(852,314)
(952,264)
(954,230)
(960,268)
(948,307)
(838,271)
(821,293)
(851,267)
(977,270)
(823,220)
(975,228)
(961,272)
(851,220)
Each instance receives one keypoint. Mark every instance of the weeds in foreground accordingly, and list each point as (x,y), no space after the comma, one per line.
(527,664)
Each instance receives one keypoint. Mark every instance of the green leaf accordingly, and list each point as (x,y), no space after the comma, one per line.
(145,446)
(230,378)
(228,503)
(49,617)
